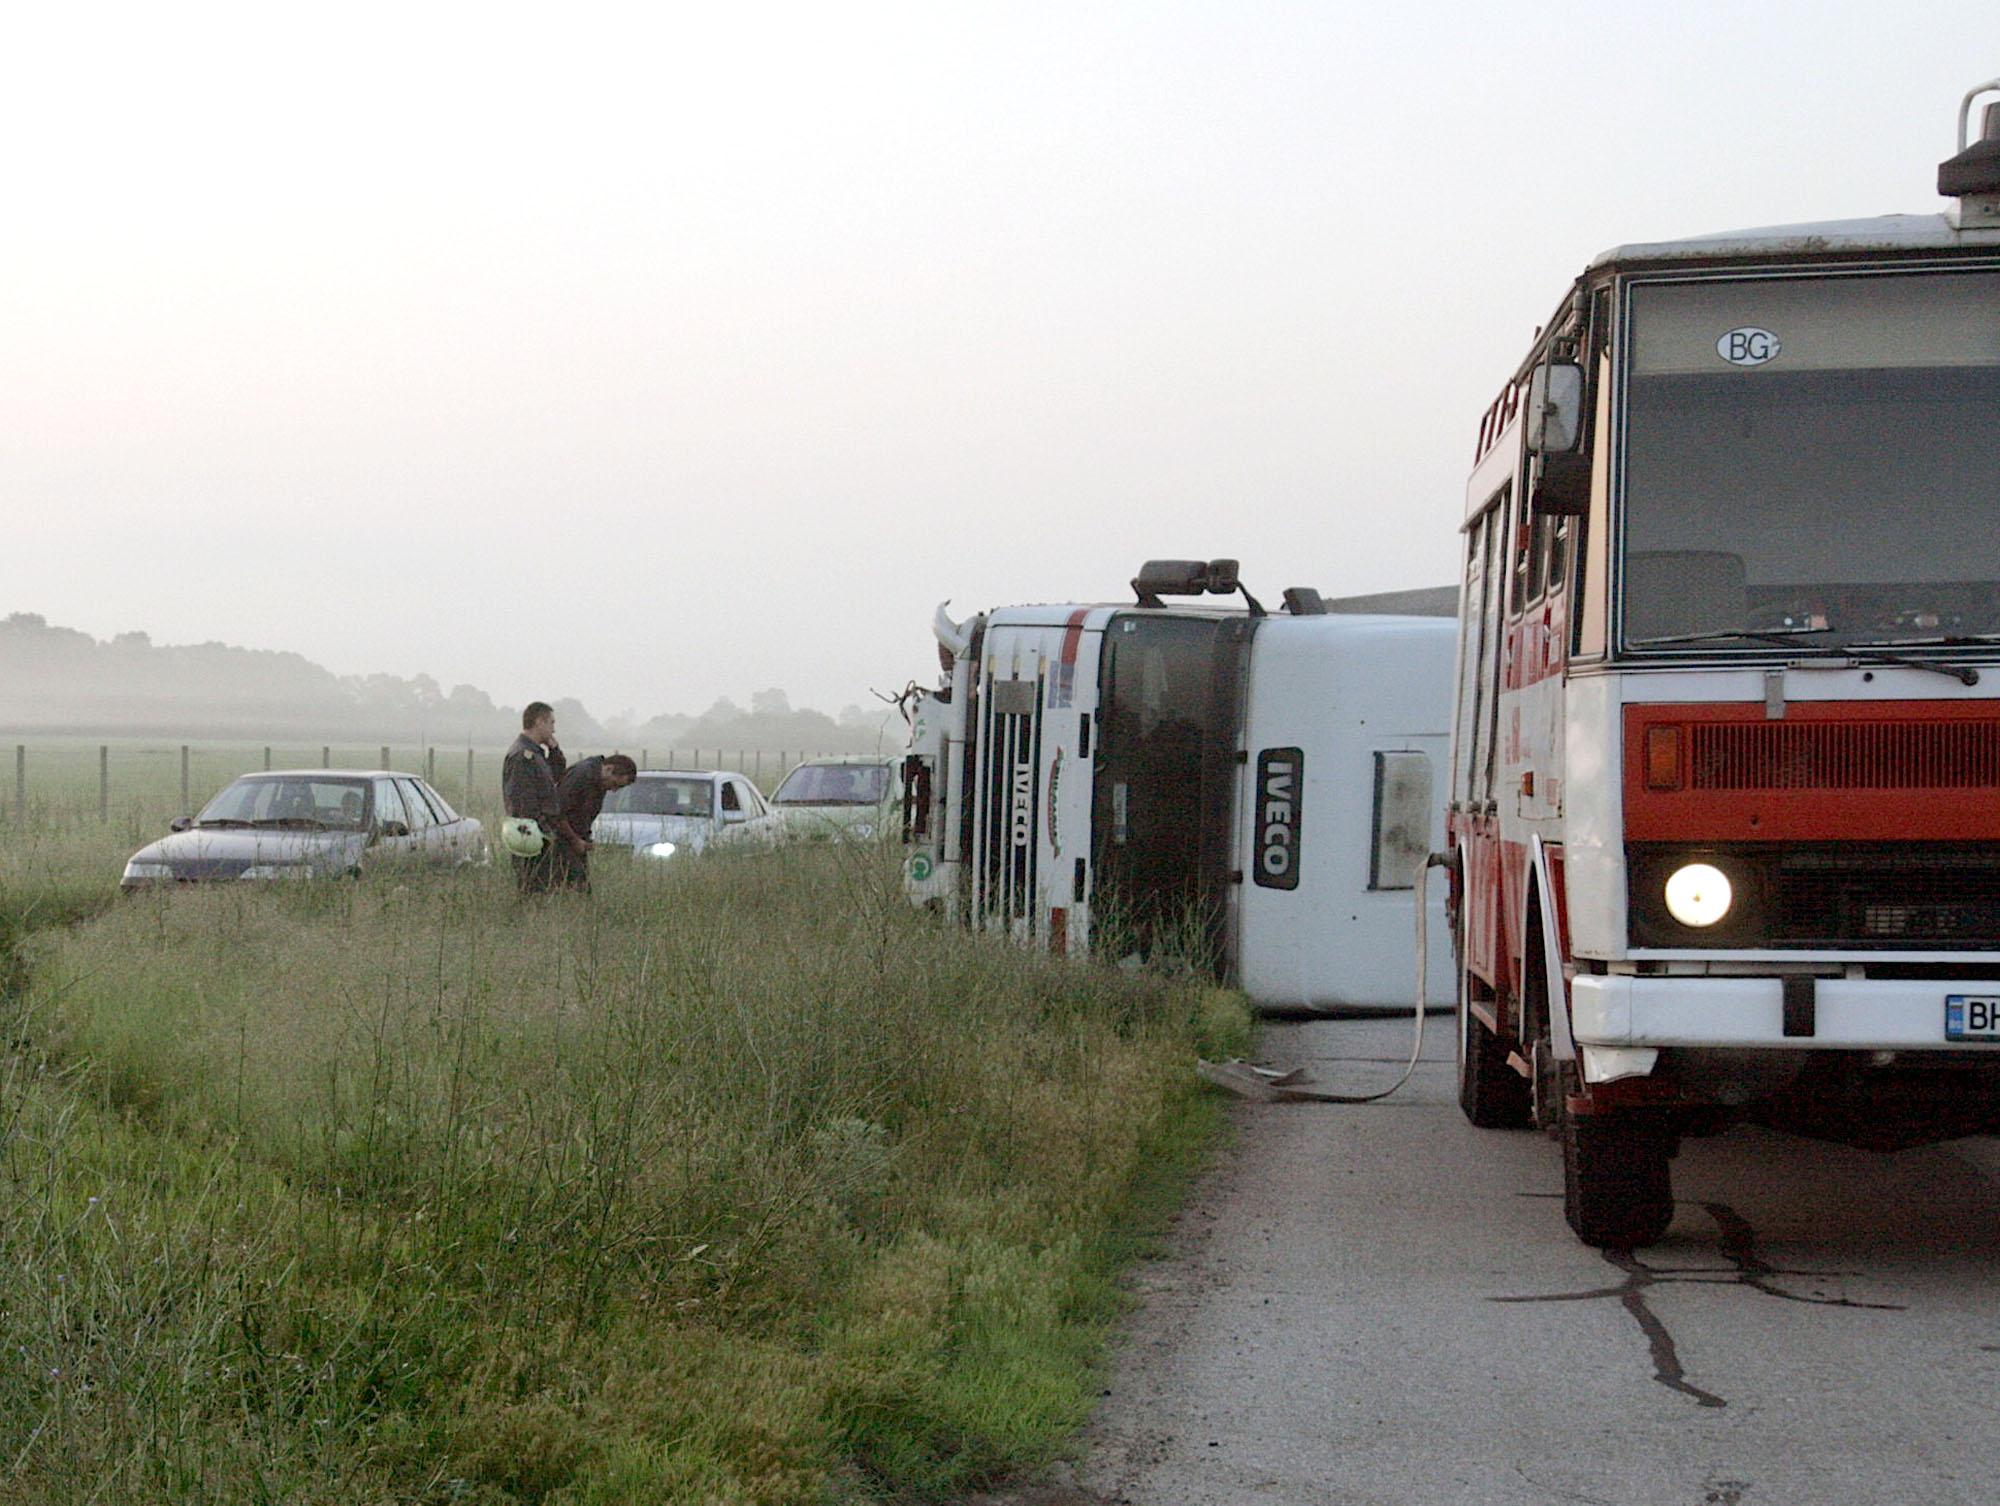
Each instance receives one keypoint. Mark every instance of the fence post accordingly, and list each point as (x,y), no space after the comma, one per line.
(385,756)
(21,783)
(103,782)
(187,799)
(430,765)
(468,775)
(644,759)
(325,757)
(760,765)
(267,760)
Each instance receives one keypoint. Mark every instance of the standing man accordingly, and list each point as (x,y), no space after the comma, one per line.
(528,788)
(583,790)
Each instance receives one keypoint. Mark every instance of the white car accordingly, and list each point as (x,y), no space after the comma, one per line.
(668,812)
(858,797)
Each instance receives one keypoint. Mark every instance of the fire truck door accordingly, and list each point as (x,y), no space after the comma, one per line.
(1475,817)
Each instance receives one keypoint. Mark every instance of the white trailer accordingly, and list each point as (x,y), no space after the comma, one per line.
(1253,790)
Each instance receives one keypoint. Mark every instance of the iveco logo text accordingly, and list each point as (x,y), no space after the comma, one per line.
(1748,347)
(1280,789)
(1022,826)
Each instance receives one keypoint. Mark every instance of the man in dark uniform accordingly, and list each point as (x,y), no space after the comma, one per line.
(528,787)
(583,790)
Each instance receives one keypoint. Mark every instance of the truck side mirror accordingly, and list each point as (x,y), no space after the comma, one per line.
(1555,408)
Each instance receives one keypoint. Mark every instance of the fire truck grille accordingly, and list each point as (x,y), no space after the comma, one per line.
(1905,755)
(1890,895)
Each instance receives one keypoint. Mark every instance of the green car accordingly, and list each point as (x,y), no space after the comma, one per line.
(858,798)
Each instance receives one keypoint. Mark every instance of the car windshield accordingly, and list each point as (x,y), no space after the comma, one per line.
(662,797)
(341,804)
(1812,454)
(834,784)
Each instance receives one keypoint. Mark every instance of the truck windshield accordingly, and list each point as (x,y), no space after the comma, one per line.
(1170,713)
(1811,455)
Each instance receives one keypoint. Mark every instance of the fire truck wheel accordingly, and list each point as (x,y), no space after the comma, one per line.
(1617,1179)
(1493,1094)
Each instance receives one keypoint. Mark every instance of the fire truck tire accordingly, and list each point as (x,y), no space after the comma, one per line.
(1492,1094)
(1617,1179)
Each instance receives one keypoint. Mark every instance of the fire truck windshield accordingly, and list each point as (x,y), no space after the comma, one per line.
(1811,453)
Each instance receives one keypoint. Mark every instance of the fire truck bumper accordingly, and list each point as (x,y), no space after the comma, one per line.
(1616,1011)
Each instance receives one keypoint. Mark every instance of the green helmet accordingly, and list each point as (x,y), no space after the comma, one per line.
(522,836)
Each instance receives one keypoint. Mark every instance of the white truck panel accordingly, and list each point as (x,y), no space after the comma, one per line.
(1342,689)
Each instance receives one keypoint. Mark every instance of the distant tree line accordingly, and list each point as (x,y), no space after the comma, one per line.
(56,680)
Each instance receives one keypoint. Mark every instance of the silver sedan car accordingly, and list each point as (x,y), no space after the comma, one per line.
(311,823)
(669,811)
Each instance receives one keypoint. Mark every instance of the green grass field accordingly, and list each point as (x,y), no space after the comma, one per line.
(739,1181)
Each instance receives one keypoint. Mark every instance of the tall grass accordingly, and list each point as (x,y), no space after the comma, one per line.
(740,1181)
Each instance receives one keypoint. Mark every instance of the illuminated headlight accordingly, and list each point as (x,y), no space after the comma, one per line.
(660,850)
(277,871)
(1698,894)
(142,872)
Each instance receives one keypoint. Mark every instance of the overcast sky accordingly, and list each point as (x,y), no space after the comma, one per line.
(649,356)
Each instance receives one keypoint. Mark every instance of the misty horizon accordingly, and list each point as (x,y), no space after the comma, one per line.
(64,682)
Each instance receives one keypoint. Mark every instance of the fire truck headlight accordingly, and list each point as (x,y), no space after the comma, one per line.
(1698,894)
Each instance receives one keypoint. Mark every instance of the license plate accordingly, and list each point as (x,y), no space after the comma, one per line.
(1972,1017)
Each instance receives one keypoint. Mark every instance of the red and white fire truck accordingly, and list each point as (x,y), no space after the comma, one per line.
(1725,788)
(1251,792)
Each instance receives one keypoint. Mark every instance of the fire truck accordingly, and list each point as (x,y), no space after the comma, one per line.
(1248,793)
(1724,815)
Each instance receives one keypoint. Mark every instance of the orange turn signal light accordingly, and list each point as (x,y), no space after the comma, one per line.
(1663,758)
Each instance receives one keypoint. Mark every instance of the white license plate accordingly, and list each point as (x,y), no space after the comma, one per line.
(1972,1017)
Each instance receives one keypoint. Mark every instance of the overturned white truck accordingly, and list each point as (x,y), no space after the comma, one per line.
(1255,790)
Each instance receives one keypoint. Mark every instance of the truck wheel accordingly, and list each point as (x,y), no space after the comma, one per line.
(1617,1179)
(1493,1094)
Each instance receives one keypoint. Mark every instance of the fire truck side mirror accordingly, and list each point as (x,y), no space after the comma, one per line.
(1555,409)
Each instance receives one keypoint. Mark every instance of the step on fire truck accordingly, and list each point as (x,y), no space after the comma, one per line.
(1249,792)
(1725,780)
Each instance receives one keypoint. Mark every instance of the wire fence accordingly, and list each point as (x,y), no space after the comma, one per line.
(138,779)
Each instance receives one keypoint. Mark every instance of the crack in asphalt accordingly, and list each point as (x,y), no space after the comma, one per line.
(1738,1245)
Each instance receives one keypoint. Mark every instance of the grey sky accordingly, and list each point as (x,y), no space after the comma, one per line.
(654,355)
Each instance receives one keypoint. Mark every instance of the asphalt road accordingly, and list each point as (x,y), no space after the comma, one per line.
(1382,1304)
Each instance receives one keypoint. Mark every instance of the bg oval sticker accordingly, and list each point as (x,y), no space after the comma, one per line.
(1748,346)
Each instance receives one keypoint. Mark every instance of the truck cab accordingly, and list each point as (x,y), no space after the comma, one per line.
(1244,792)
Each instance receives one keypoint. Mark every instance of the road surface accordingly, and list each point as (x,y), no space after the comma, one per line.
(1382,1304)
